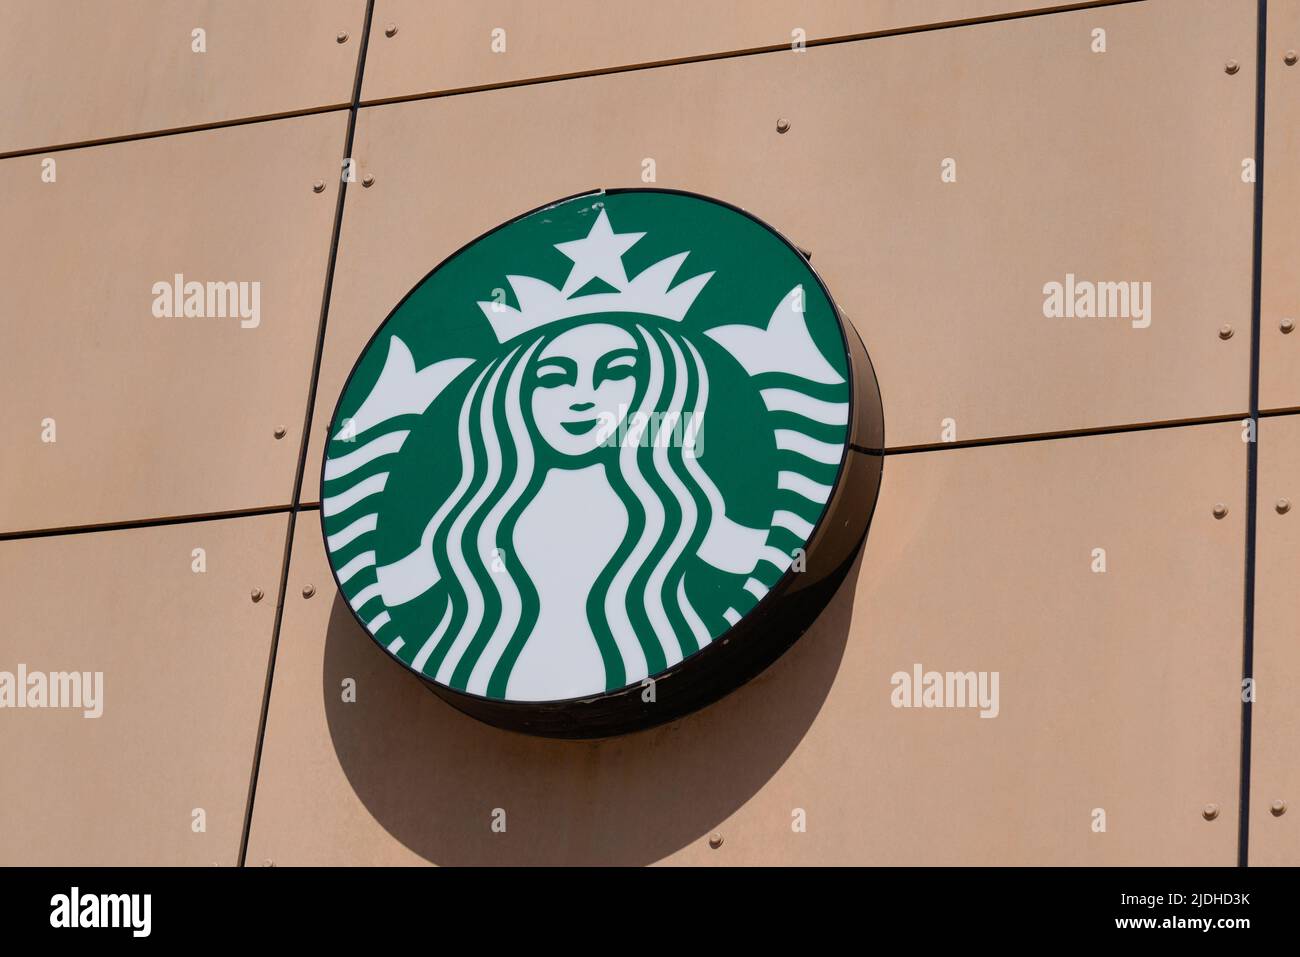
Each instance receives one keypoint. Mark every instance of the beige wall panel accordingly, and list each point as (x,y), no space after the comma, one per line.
(450,45)
(183,656)
(1117,691)
(1275,728)
(1123,166)
(1279,354)
(157,416)
(79,70)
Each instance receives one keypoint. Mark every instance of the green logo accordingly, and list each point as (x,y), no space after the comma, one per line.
(586,447)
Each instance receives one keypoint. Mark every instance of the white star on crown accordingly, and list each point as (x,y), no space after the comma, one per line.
(599,256)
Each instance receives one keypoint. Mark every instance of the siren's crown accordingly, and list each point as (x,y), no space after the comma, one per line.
(599,256)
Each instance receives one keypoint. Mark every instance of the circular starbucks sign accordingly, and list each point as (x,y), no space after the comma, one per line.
(603,464)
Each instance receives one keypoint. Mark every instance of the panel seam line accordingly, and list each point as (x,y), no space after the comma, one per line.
(295,495)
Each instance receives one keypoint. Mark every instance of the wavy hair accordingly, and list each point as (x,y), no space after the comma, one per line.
(640,615)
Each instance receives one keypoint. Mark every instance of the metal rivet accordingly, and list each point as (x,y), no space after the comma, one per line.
(368,180)
(782,126)
(1287,326)
(1278,808)
(1220,510)
(715,840)
(1290,58)
(1210,812)
(1283,506)
(1231,67)
(308,591)
(256,594)
(1225,331)
(318,186)
(280,432)
(342,37)
(390,29)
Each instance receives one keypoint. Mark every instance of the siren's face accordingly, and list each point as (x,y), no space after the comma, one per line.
(583,383)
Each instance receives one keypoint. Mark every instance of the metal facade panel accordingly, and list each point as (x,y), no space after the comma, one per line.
(1120,167)
(1118,690)
(1279,313)
(152,416)
(456,45)
(1275,727)
(183,655)
(80,70)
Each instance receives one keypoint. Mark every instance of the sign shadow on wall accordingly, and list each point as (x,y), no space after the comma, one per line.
(445,784)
